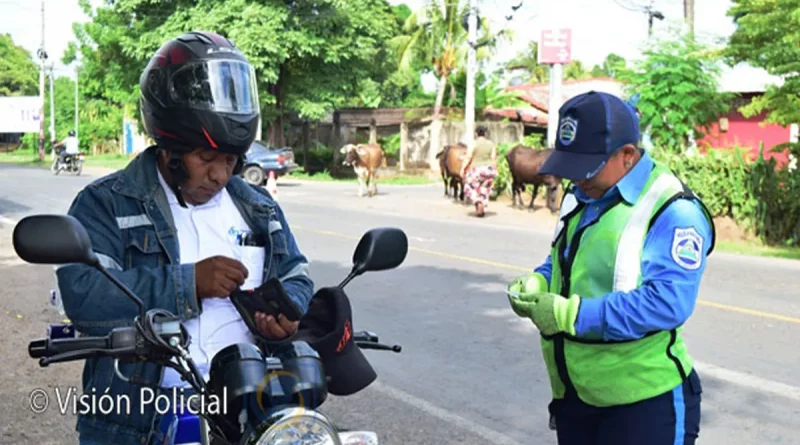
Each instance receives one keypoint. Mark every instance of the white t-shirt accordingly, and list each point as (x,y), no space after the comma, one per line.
(205,231)
(71,145)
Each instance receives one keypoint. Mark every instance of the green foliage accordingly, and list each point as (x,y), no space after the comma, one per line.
(391,145)
(434,40)
(759,196)
(678,88)
(502,182)
(766,36)
(613,66)
(18,72)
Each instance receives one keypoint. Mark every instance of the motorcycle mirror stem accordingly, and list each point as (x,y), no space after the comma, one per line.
(95,262)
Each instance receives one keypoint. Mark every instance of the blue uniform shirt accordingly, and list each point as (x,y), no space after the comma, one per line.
(669,289)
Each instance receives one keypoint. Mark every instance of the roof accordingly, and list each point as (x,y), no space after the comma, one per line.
(538,94)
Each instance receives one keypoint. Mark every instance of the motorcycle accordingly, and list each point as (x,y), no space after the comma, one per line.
(286,408)
(71,164)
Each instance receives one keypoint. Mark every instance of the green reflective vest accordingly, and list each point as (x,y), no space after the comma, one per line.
(605,257)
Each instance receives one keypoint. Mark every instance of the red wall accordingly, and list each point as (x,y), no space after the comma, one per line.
(747,132)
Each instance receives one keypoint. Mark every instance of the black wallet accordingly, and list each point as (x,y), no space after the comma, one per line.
(269,298)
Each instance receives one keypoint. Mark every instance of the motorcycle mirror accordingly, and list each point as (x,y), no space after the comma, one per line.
(53,239)
(61,239)
(381,248)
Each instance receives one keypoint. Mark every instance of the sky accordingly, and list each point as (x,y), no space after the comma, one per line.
(598,26)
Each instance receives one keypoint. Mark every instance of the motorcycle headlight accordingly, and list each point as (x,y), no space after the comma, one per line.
(298,426)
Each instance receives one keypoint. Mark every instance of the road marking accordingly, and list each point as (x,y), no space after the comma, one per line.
(741,379)
(8,221)
(490,435)
(748,381)
(701,302)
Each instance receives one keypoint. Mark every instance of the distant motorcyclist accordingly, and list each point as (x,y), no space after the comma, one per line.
(71,147)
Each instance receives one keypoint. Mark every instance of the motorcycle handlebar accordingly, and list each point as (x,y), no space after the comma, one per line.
(120,339)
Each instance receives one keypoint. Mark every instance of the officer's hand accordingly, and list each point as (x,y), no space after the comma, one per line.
(520,289)
(551,313)
(275,329)
(218,276)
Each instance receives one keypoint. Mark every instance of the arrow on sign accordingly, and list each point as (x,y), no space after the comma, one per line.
(562,55)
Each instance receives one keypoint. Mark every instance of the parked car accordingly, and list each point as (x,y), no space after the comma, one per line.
(261,159)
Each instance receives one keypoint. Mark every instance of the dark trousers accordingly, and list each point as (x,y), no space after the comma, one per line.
(672,418)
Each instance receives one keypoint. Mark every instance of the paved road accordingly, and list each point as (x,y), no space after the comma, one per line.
(470,371)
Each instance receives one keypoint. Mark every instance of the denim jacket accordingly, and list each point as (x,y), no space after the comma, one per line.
(132,231)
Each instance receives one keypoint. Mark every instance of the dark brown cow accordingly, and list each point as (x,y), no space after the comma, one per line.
(523,165)
(365,159)
(450,163)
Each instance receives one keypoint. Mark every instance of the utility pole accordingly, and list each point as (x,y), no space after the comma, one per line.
(554,103)
(472,37)
(688,15)
(53,138)
(77,70)
(42,57)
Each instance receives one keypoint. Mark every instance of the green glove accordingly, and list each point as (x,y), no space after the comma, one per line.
(525,284)
(534,282)
(551,313)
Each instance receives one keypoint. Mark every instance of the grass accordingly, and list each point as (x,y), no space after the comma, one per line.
(113,161)
(325,176)
(755,249)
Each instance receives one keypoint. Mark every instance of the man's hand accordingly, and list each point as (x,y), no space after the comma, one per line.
(275,329)
(551,313)
(218,276)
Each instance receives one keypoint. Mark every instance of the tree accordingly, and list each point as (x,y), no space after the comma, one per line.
(766,36)
(611,67)
(310,57)
(575,70)
(18,72)
(435,40)
(527,62)
(678,91)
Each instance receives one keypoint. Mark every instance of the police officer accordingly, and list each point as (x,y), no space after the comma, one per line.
(621,279)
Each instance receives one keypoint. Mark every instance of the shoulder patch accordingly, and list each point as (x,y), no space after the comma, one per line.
(687,248)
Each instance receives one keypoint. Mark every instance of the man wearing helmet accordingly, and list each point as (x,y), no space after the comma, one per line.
(71,147)
(171,227)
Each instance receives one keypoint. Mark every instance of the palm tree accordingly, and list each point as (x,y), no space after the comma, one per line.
(435,40)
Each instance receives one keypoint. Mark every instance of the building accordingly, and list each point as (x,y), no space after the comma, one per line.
(534,116)
(735,130)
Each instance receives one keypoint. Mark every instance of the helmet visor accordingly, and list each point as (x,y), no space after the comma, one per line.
(227,86)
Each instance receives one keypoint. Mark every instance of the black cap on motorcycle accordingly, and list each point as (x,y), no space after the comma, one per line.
(199,92)
(327,326)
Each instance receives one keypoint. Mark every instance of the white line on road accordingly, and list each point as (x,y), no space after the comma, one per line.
(8,221)
(741,379)
(748,381)
(490,435)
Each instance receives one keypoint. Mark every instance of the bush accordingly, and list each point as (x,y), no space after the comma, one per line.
(502,182)
(757,195)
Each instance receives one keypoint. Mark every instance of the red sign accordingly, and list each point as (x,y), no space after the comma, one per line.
(555,46)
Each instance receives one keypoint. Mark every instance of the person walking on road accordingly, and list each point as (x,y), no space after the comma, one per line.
(622,278)
(479,170)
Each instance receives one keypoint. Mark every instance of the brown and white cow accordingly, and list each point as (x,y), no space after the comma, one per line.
(365,159)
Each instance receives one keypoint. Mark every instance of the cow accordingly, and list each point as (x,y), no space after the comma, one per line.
(365,160)
(523,165)
(450,163)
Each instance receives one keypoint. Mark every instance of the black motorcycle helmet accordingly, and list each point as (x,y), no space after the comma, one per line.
(71,133)
(199,91)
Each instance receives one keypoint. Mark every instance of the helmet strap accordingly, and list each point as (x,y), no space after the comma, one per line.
(178,174)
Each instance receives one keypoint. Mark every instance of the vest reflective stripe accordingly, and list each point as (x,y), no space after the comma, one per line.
(607,257)
(628,267)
